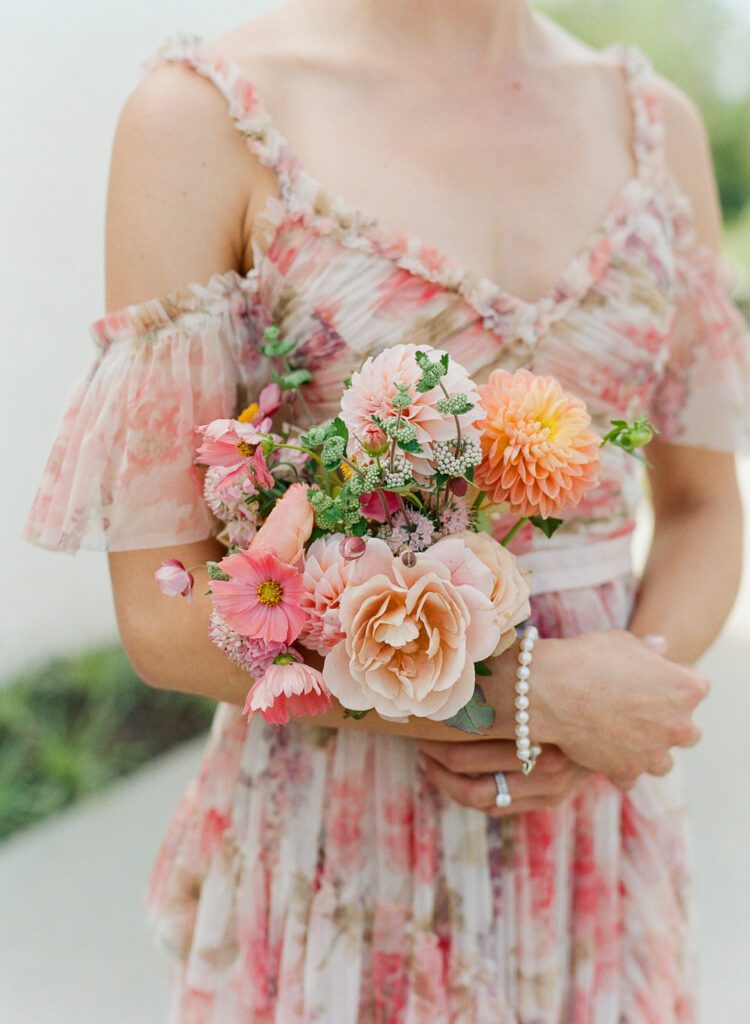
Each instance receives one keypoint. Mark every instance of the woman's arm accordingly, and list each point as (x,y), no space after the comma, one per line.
(695,562)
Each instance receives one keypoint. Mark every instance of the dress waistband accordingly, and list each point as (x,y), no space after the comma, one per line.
(585,565)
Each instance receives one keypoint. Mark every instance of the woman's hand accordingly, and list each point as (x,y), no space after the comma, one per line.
(613,704)
(465,771)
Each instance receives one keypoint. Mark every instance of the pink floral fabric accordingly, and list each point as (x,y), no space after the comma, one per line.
(314,877)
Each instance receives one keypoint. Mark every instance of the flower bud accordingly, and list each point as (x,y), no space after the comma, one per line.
(352,548)
(174,580)
(458,486)
(288,397)
(409,558)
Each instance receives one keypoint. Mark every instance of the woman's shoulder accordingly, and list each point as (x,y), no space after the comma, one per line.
(687,154)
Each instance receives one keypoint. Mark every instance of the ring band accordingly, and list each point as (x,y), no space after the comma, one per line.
(503,798)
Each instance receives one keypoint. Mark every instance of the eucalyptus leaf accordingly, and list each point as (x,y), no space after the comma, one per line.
(475,717)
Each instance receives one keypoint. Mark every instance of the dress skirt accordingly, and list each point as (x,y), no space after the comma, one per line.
(314,876)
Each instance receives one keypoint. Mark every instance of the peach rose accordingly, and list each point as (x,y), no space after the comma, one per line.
(412,636)
(510,583)
(288,527)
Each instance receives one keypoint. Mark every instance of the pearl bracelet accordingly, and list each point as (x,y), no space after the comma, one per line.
(526,751)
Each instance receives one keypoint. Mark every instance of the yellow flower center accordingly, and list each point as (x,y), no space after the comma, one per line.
(249,413)
(246,449)
(547,422)
(270,592)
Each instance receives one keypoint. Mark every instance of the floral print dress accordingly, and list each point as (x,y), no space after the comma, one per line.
(316,877)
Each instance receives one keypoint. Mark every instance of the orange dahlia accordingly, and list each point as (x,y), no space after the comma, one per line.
(538,451)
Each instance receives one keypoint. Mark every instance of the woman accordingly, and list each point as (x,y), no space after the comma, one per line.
(361,871)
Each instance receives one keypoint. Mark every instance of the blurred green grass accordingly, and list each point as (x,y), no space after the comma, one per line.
(70,727)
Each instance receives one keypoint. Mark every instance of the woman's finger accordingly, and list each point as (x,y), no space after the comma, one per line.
(480,791)
(476,757)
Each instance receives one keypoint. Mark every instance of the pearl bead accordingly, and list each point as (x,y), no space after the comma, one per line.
(522,730)
(527,644)
(522,717)
(532,632)
(524,744)
(522,687)
(524,658)
(522,703)
(523,672)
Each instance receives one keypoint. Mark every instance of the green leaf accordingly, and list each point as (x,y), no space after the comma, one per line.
(413,447)
(215,573)
(359,529)
(482,669)
(339,429)
(293,378)
(474,717)
(348,713)
(469,474)
(547,526)
(441,479)
(277,348)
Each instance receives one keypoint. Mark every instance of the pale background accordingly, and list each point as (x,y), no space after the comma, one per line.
(73,946)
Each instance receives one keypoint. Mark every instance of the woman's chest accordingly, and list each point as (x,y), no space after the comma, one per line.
(344,289)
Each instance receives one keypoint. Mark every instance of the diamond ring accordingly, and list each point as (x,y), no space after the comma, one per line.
(503,798)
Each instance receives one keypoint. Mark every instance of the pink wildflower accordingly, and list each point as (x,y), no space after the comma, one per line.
(262,597)
(288,687)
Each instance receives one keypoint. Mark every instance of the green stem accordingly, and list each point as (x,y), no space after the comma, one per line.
(394,444)
(513,531)
(298,448)
(458,425)
(384,502)
(478,501)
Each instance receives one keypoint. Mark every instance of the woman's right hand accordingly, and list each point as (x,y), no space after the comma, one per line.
(613,704)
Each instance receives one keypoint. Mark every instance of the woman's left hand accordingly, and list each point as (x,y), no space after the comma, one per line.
(465,771)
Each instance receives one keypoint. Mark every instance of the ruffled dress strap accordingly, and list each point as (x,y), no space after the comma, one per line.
(648,123)
(245,105)
(121,472)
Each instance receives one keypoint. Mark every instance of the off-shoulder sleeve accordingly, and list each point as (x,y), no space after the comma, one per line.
(121,474)
(703,396)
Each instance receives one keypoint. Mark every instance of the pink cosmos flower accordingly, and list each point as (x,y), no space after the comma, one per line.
(237,446)
(262,597)
(174,580)
(374,387)
(288,687)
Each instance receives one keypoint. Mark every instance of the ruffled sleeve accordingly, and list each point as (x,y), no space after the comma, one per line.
(121,474)
(703,395)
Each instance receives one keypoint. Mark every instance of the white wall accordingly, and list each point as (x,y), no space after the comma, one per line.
(66,67)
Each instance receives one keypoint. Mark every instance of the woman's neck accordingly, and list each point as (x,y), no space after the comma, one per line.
(456,32)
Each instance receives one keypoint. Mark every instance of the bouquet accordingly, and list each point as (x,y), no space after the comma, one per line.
(365,539)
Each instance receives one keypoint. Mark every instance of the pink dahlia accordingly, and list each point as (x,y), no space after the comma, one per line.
(373,388)
(262,597)
(538,451)
(288,687)
(325,577)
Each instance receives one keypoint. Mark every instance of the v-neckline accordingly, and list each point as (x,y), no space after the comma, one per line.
(308,197)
